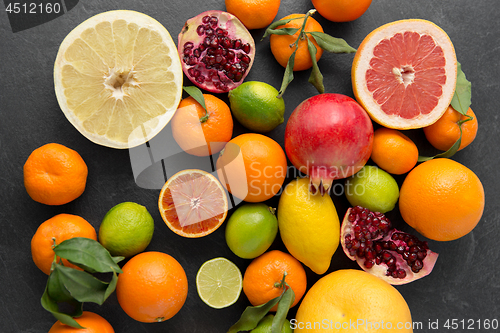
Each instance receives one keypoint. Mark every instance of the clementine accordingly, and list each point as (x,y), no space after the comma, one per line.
(55,174)
(199,132)
(52,232)
(92,323)
(282,46)
(254,14)
(252,167)
(442,199)
(341,10)
(152,288)
(263,277)
(445,131)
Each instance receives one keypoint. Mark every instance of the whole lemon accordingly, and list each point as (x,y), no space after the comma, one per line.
(309,225)
(351,300)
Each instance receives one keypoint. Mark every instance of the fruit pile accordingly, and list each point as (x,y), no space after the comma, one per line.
(404,76)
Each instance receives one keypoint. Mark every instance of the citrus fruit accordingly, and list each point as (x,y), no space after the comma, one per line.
(252,167)
(218,282)
(251,230)
(255,105)
(193,203)
(263,277)
(254,14)
(393,151)
(372,188)
(341,10)
(350,300)
(118,78)
(55,174)
(309,225)
(445,132)
(54,231)
(199,132)
(282,46)
(404,73)
(126,229)
(91,322)
(442,199)
(266,324)
(152,288)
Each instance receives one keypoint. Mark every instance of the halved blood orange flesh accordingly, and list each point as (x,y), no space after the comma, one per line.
(193,203)
(404,74)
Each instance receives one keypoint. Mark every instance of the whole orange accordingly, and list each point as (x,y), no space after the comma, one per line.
(265,273)
(282,46)
(393,151)
(152,288)
(254,14)
(442,199)
(341,10)
(54,231)
(199,132)
(92,323)
(55,174)
(445,132)
(252,167)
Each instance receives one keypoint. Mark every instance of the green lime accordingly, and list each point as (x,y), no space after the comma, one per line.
(126,229)
(266,323)
(219,283)
(251,230)
(372,188)
(256,106)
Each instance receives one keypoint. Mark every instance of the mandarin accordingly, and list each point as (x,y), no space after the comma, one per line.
(282,46)
(262,278)
(152,288)
(393,151)
(252,167)
(442,199)
(54,231)
(341,10)
(254,14)
(54,174)
(92,323)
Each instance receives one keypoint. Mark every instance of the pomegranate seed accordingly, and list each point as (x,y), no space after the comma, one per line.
(209,31)
(368,263)
(205,19)
(237,44)
(200,30)
(196,53)
(246,48)
(401,274)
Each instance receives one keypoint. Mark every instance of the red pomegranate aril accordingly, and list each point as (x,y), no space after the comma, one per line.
(237,44)
(205,19)
(246,48)
(214,21)
(369,263)
(200,30)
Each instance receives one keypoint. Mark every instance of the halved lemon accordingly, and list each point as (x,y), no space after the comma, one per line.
(404,74)
(118,78)
(193,203)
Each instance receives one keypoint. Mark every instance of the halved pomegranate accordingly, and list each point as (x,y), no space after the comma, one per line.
(390,254)
(216,51)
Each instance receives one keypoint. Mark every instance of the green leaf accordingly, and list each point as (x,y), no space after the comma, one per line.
(55,287)
(252,315)
(331,44)
(283,31)
(462,97)
(87,254)
(283,306)
(447,154)
(276,24)
(51,306)
(288,76)
(198,96)
(316,78)
(111,286)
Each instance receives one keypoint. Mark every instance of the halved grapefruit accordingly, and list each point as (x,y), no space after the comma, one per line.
(404,74)
(193,203)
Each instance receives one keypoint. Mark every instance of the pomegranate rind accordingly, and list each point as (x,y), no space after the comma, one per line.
(361,64)
(235,28)
(380,270)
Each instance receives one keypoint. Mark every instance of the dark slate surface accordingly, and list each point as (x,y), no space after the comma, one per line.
(465,283)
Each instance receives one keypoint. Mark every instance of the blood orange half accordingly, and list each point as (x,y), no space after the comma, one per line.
(404,74)
(193,203)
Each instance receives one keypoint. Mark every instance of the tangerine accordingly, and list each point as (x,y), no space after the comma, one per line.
(282,46)
(92,323)
(152,288)
(445,132)
(393,151)
(341,10)
(55,174)
(442,199)
(54,231)
(199,132)
(254,14)
(252,167)
(262,278)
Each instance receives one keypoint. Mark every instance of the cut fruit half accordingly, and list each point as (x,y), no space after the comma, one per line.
(118,78)
(404,74)
(193,203)
(219,283)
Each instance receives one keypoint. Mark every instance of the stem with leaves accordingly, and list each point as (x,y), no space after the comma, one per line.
(198,96)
